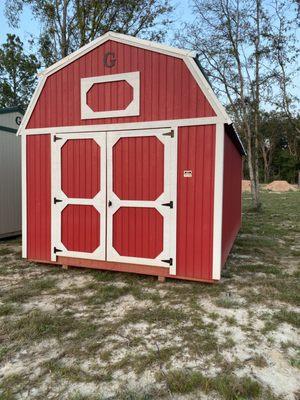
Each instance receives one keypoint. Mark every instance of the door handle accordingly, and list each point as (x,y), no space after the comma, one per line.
(109,203)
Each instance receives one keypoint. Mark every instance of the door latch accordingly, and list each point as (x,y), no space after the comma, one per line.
(109,203)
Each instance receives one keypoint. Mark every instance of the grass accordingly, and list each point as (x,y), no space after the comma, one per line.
(125,327)
(228,386)
(38,325)
(72,373)
(4,251)
(290,317)
(29,288)
(156,315)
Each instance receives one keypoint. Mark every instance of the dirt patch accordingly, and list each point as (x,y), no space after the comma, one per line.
(246,186)
(280,186)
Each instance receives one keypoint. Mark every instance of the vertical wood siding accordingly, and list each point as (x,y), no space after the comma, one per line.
(80,168)
(138,168)
(38,168)
(232,196)
(168,90)
(80,228)
(138,232)
(99,96)
(195,200)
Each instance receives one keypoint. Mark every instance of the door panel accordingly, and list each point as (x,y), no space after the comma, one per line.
(78,195)
(143,159)
(141,194)
(138,232)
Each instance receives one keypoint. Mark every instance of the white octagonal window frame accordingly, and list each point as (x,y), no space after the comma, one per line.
(133,108)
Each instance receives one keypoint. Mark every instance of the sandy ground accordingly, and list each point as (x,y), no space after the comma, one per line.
(82,334)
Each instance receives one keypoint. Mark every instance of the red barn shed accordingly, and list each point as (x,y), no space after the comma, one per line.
(130,163)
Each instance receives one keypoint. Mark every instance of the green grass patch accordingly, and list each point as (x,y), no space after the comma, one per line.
(38,325)
(29,288)
(8,309)
(290,317)
(4,251)
(228,386)
(72,373)
(156,315)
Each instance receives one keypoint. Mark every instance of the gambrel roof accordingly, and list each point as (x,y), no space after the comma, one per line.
(188,56)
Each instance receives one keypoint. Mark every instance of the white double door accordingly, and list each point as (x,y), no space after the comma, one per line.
(114,196)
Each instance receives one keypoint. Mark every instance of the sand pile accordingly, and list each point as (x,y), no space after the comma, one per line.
(280,186)
(246,186)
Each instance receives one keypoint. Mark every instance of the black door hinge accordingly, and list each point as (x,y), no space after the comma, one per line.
(55,138)
(171,134)
(56,250)
(169,261)
(170,204)
(57,200)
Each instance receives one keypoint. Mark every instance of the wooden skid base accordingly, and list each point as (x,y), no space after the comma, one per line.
(161,273)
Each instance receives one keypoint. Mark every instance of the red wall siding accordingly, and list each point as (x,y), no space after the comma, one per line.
(195,198)
(167,89)
(38,181)
(232,196)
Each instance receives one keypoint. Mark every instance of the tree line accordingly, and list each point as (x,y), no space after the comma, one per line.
(247,48)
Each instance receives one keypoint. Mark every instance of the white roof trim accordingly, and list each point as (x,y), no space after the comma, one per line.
(186,55)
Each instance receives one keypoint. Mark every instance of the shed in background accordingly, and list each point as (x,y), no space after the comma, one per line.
(10,171)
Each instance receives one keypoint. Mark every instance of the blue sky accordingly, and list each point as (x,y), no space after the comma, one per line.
(30,28)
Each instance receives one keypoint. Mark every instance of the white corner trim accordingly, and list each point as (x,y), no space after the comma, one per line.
(218,202)
(24,196)
(133,108)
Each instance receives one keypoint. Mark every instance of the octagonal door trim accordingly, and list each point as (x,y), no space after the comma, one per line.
(168,138)
(60,200)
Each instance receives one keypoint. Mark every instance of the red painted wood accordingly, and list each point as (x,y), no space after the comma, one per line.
(232,199)
(122,267)
(109,96)
(138,167)
(168,90)
(80,228)
(138,232)
(38,182)
(195,199)
(80,168)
